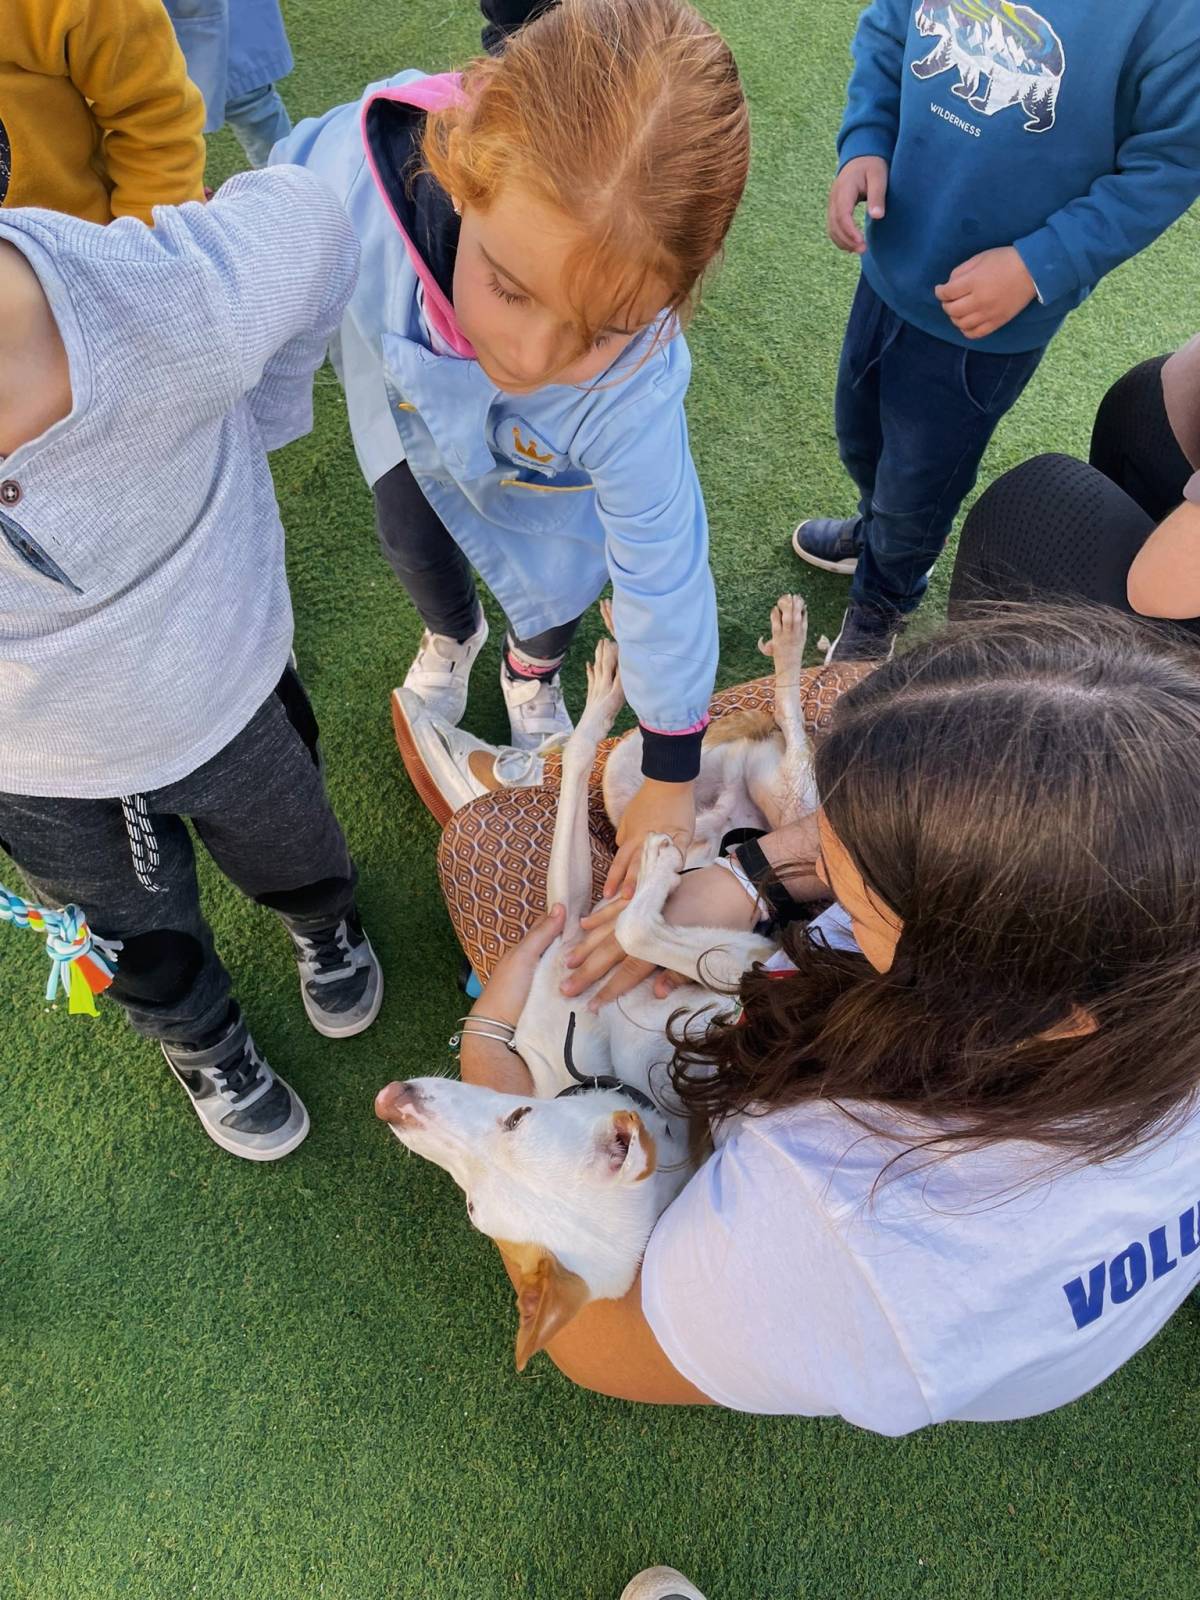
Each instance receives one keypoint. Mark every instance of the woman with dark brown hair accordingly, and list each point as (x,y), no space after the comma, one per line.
(957,1144)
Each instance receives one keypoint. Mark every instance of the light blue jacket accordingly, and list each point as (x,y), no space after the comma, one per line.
(551,495)
(231,47)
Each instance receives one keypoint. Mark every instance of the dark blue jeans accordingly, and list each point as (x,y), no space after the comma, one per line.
(914,416)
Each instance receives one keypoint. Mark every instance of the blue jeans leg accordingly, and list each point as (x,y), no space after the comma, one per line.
(935,406)
(869,331)
(259,119)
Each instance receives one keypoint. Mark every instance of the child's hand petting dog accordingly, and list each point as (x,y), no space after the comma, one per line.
(987,291)
(657,807)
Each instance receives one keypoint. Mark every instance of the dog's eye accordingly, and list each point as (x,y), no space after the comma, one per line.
(514,1117)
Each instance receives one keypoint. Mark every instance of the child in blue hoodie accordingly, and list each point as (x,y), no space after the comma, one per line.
(533,232)
(1008,159)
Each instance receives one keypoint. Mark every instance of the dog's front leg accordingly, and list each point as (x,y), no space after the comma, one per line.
(569,879)
(792,790)
(714,957)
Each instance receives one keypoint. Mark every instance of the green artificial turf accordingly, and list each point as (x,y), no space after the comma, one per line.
(227,1380)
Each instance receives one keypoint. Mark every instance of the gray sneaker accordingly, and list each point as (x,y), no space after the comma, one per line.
(341,981)
(660,1583)
(241,1104)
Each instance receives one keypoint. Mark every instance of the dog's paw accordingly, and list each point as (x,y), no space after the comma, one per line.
(789,633)
(604,694)
(661,857)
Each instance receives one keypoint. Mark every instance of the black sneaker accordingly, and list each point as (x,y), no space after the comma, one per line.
(241,1104)
(832,543)
(866,634)
(341,981)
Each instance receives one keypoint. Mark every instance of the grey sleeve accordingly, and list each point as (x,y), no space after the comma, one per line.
(286,258)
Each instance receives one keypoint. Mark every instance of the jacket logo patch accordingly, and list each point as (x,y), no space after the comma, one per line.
(1005,55)
(530,450)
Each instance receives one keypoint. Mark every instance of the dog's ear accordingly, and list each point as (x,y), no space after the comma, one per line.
(548,1296)
(627,1147)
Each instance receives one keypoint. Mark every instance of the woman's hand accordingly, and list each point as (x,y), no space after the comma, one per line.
(710,897)
(598,953)
(506,991)
(657,807)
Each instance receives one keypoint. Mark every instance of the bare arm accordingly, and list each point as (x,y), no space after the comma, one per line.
(610,1348)
(1164,580)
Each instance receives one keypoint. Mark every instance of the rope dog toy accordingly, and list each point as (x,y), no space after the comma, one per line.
(81,963)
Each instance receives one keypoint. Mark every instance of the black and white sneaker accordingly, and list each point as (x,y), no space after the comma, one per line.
(341,981)
(241,1104)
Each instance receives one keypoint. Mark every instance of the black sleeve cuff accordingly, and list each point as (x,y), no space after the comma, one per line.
(671,757)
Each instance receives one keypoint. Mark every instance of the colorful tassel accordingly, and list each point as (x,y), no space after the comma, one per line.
(81,963)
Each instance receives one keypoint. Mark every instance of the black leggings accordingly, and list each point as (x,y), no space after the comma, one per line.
(1055,528)
(435,573)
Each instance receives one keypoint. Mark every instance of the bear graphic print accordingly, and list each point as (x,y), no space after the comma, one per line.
(1005,55)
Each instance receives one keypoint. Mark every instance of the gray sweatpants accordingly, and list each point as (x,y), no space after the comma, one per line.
(259,807)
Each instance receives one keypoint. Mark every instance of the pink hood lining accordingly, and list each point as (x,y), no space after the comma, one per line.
(428,94)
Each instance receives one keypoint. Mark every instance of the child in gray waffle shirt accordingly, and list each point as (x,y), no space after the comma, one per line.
(145,620)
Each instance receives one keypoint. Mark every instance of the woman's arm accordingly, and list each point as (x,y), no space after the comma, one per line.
(1164,580)
(609,1347)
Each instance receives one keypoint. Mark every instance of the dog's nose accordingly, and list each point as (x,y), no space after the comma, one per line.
(396,1101)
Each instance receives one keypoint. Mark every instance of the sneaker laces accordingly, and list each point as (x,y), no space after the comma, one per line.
(327,951)
(245,1079)
(521,769)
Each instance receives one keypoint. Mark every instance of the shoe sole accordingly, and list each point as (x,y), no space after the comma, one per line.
(346,1030)
(419,774)
(847,567)
(230,1142)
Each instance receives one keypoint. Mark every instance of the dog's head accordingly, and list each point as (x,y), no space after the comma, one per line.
(569,1189)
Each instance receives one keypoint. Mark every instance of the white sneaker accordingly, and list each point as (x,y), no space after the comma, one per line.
(536,710)
(661,1583)
(441,671)
(437,758)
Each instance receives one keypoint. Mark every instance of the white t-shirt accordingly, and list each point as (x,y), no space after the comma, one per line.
(968,1289)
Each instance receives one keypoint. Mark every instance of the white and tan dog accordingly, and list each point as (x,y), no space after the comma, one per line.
(571,1182)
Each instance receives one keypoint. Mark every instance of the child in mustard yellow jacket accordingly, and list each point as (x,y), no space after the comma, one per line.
(97,116)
